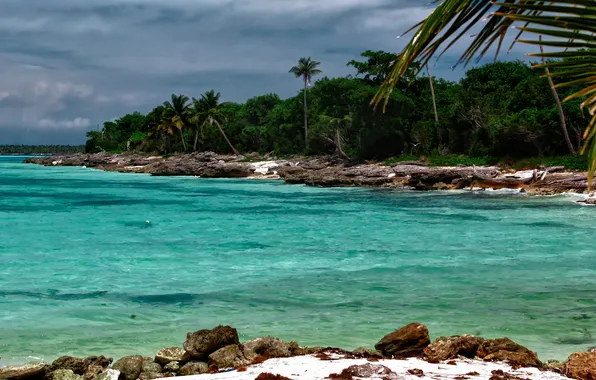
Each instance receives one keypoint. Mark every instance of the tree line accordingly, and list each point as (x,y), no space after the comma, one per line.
(501,109)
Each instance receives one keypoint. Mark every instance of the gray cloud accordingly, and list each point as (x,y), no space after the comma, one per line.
(68,65)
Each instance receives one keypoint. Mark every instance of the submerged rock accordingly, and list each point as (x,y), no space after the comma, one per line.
(129,367)
(452,347)
(228,357)
(25,371)
(202,343)
(409,341)
(581,365)
(193,368)
(171,354)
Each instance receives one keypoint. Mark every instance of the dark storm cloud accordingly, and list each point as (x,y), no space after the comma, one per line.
(68,65)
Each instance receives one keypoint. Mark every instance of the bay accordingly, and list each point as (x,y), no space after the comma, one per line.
(83,273)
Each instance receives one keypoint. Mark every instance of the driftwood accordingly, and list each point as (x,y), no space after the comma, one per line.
(503,183)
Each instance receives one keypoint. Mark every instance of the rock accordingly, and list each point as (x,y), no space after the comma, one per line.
(581,365)
(65,374)
(368,371)
(172,367)
(202,343)
(25,371)
(109,374)
(270,376)
(92,371)
(171,354)
(228,357)
(555,365)
(409,341)
(452,347)
(268,346)
(506,350)
(193,368)
(151,375)
(367,352)
(89,367)
(129,367)
(150,366)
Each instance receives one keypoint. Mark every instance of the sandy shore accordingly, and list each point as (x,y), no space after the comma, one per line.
(310,367)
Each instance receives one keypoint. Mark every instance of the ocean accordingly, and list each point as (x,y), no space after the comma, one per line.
(101,263)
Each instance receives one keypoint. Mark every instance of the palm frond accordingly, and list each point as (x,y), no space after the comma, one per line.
(570,26)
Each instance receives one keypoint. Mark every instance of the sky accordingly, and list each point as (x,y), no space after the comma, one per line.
(66,66)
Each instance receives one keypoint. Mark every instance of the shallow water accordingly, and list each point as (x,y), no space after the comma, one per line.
(336,267)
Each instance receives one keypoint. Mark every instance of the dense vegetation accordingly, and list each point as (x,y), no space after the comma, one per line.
(41,149)
(502,109)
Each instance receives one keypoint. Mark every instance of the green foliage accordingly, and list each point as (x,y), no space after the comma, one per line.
(502,109)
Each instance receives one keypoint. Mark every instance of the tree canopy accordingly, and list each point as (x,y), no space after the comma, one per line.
(501,109)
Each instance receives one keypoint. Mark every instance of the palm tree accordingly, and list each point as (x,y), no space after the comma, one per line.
(306,69)
(336,124)
(212,115)
(197,119)
(176,114)
(568,23)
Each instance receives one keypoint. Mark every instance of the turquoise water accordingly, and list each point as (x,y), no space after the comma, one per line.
(336,267)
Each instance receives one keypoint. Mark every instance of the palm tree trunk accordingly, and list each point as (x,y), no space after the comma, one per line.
(432,92)
(340,152)
(559,106)
(182,138)
(305,115)
(196,138)
(226,137)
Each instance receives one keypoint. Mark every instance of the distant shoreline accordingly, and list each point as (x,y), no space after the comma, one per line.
(333,172)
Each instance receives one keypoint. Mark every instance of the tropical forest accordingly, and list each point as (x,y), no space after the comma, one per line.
(501,110)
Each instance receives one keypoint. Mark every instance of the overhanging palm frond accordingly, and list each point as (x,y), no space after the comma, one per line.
(570,26)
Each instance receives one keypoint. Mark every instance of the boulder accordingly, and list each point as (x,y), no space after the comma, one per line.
(193,368)
(150,366)
(89,367)
(368,371)
(172,367)
(25,371)
(555,366)
(452,347)
(271,376)
(228,357)
(65,374)
(109,374)
(409,341)
(368,353)
(129,367)
(171,354)
(227,170)
(151,375)
(202,343)
(581,365)
(269,347)
(92,371)
(506,350)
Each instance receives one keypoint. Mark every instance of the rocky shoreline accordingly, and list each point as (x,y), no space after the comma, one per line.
(332,172)
(210,353)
